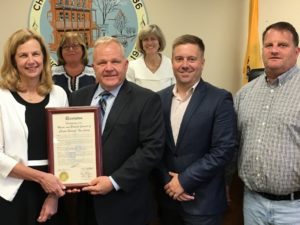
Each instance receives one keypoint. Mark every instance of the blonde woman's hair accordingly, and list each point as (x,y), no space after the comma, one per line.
(10,78)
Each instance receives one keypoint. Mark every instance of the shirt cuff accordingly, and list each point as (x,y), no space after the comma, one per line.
(114,183)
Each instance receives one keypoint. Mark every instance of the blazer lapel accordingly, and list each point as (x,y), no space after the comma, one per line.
(167,111)
(90,94)
(194,104)
(119,105)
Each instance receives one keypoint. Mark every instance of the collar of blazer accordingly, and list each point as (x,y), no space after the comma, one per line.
(122,100)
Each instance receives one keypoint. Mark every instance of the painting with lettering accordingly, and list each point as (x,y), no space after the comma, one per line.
(91,18)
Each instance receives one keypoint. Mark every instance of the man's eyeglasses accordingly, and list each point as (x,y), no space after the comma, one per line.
(71,46)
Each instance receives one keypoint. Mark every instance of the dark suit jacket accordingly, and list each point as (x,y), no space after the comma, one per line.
(132,143)
(206,144)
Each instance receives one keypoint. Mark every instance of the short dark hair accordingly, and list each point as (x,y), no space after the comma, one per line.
(189,39)
(281,26)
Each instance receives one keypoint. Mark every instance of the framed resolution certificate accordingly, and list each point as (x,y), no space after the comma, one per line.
(74,144)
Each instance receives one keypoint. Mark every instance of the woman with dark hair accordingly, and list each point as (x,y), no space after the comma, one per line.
(73,71)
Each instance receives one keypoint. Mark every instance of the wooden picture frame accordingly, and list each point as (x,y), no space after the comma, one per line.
(74,144)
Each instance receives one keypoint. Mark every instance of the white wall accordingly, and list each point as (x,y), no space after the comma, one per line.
(272,11)
(222,24)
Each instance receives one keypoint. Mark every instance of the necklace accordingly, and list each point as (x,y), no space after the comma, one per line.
(31,97)
(153,65)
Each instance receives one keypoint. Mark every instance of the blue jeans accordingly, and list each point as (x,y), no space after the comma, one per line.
(261,211)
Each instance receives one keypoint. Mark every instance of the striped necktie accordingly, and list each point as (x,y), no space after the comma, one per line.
(102,101)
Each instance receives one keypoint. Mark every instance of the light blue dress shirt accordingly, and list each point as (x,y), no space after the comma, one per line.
(109,103)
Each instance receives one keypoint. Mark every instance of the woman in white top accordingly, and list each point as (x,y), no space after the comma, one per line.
(152,70)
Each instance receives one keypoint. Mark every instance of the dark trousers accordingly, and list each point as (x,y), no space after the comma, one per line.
(68,205)
(86,211)
(173,217)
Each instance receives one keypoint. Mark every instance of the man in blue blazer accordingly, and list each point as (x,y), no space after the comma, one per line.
(132,142)
(200,141)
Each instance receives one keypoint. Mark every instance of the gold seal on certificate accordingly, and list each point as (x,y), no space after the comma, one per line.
(74,140)
(63,176)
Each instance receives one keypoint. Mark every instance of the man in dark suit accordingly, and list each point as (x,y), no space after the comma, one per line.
(200,141)
(132,141)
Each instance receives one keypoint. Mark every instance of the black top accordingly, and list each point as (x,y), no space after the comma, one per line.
(35,118)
